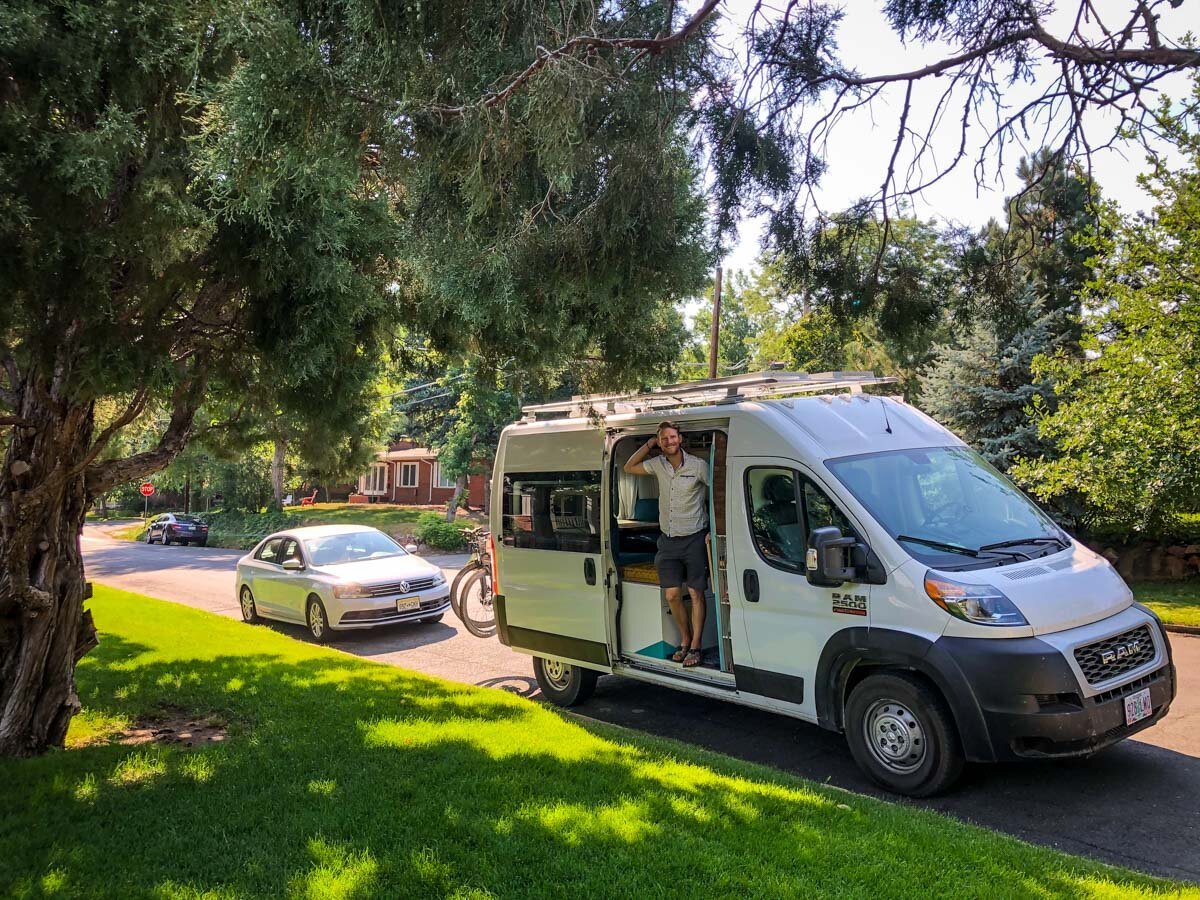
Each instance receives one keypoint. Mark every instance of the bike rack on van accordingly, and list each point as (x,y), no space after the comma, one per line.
(731,389)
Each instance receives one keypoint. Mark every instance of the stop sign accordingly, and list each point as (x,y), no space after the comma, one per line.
(147,489)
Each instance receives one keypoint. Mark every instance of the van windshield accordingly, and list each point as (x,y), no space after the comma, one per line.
(948,508)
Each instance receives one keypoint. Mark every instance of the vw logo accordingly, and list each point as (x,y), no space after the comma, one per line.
(404,587)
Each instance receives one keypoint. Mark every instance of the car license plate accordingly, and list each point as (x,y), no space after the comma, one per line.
(405,604)
(1137,706)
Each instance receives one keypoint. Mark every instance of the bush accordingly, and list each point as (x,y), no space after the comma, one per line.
(432,529)
(242,530)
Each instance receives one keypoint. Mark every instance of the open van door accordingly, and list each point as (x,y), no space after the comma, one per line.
(547,521)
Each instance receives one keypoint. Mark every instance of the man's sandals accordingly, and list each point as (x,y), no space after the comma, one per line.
(689,656)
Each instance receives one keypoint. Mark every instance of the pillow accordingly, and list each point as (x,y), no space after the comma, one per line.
(646,509)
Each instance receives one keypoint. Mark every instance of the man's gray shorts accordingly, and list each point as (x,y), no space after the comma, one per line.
(683,561)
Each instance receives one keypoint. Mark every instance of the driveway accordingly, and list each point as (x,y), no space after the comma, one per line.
(1135,804)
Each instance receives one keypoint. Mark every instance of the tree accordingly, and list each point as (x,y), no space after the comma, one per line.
(1020,298)
(1128,423)
(770,106)
(203,202)
(737,340)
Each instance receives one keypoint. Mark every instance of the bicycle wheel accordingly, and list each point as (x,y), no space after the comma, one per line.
(475,601)
(457,583)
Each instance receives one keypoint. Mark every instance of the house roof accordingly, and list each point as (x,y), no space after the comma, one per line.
(413,453)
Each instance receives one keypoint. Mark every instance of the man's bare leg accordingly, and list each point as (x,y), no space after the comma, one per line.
(697,637)
(679,614)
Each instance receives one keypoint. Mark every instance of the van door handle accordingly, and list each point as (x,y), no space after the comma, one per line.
(589,571)
(750,585)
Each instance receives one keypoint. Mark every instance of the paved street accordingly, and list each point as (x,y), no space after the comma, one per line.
(1135,804)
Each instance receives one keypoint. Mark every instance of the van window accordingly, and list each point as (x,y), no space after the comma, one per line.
(552,511)
(785,507)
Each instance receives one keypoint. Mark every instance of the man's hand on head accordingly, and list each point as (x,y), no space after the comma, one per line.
(652,443)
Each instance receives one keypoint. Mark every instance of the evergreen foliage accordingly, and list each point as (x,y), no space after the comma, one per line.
(1128,425)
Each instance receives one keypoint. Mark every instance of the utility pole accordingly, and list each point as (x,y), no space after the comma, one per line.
(716,326)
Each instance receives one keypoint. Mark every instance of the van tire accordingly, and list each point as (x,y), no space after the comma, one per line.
(902,735)
(562,683)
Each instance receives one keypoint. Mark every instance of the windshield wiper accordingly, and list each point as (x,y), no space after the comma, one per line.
(1018,542)
(938,545)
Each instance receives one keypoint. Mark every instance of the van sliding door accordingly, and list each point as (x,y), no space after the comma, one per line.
(548,546)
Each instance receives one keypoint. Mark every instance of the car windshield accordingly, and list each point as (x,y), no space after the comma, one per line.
(188,520)
(948,508)
(351,546)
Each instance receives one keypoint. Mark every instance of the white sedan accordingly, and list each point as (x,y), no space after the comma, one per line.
(335,577)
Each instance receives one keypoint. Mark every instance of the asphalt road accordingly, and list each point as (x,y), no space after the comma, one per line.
(1136,804)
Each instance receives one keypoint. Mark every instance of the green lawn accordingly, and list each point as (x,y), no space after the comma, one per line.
(345,778)
(1176,602)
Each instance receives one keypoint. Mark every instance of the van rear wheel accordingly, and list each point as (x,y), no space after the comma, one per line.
(902,735)
(563,683)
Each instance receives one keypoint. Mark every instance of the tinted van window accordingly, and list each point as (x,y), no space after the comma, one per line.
(552,511)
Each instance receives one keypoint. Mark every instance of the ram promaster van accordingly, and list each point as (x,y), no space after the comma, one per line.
(869,573)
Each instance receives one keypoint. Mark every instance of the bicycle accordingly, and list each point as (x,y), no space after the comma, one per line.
(471,590)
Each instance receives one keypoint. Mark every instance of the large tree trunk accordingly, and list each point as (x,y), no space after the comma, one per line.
(44,629)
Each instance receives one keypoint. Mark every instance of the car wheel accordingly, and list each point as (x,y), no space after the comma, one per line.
(249,610)
(562,683)
(902,735)
(318,621)
(149,536)
(165,540)
(432,620)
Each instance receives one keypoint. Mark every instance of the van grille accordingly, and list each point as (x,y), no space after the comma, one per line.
(394,587)
(1115,656)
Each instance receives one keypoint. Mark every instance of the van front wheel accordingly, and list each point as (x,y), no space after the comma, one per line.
(563,683)
(902,735)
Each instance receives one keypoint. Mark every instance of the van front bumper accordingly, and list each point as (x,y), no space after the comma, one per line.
(1032,704)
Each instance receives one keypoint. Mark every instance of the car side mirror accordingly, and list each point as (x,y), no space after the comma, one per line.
(832,560)
(828,553)
(293,565)
(411,548)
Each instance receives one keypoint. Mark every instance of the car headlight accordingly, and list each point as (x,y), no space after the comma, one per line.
(978,603)
(348,591)
(439,578)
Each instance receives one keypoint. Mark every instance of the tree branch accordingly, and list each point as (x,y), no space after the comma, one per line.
(186,399)
(653,45)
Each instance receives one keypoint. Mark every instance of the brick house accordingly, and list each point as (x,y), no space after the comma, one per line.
(406,473)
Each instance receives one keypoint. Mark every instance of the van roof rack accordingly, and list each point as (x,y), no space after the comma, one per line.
(732,389)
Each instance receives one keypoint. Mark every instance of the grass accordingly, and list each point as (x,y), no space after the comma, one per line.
(1175,602)
(345,778)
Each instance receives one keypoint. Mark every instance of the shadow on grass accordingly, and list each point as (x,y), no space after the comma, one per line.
(346,779)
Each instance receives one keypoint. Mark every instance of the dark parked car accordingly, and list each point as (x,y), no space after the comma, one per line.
(177,528)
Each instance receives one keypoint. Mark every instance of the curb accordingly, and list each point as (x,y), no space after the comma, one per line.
(1183,629)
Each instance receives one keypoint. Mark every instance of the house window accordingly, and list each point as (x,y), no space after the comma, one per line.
(375,481)
(408,475)
(442,480)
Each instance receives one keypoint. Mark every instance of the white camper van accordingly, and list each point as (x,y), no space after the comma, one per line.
(869,573)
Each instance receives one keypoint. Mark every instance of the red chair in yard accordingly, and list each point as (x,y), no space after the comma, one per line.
(309,501)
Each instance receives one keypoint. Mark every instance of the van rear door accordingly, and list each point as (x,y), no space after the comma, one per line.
(547,523)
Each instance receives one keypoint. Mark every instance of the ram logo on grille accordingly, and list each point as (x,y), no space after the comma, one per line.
(1110,655)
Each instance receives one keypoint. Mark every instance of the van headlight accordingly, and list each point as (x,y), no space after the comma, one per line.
(978,603)
(349,591)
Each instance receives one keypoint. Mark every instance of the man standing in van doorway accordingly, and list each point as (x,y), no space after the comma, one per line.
(682,558)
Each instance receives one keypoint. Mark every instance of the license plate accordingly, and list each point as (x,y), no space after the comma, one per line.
(406,604)
(1137,706)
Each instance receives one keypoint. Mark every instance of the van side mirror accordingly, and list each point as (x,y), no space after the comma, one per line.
(827,557)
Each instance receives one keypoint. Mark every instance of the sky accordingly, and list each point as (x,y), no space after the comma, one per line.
(861,147)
